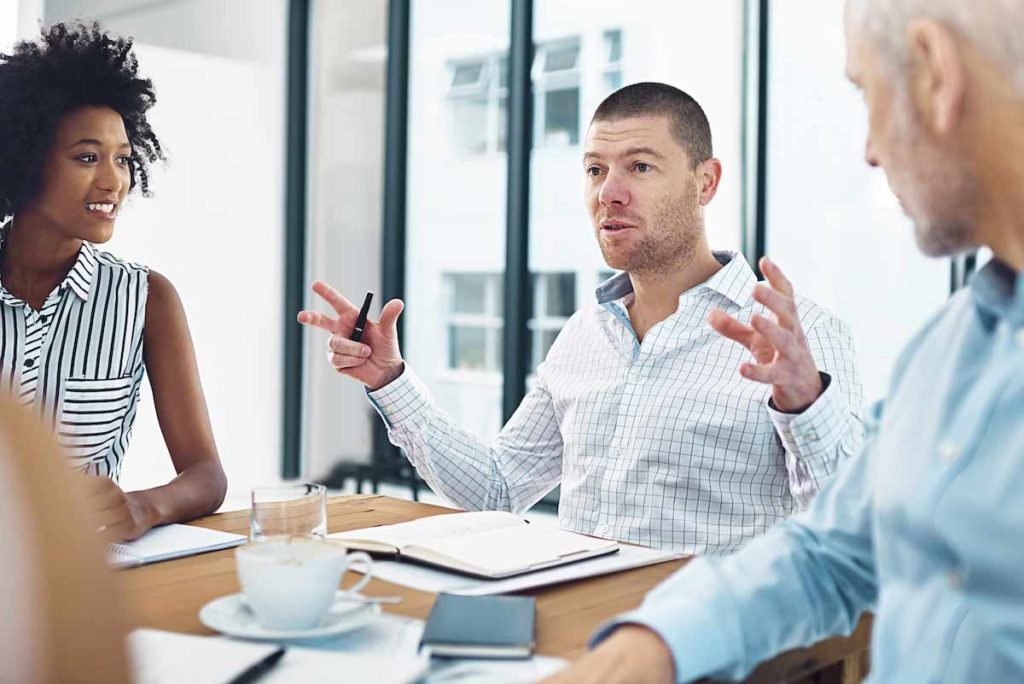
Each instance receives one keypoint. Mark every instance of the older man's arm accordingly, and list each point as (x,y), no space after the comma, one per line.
(809,578)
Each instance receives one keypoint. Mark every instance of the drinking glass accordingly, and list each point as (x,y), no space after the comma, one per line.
(292,509)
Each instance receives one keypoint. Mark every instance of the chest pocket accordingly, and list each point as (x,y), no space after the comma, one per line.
(92,415)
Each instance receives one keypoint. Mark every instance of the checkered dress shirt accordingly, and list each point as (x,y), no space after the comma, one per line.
(660,443)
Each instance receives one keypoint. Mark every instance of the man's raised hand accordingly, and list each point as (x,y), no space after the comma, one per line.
(376,360)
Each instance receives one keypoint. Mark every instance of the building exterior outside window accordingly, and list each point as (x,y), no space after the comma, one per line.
(456,229)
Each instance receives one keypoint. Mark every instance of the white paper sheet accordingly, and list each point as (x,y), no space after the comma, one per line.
(160,657)
(434,580)
(490,671)
(388,635)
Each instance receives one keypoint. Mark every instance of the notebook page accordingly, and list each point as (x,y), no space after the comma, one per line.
(510,549)
(172,541)
(434,527)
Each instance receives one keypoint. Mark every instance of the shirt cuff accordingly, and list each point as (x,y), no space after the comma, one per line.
(400,400)
(815,432)
(699,646)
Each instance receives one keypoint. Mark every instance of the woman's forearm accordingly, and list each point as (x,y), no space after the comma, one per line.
(197,491)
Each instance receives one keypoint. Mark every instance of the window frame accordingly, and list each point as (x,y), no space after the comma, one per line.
(545,83)
(490,319)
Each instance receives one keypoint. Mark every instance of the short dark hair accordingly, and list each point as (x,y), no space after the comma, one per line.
(688,122)
(66,68)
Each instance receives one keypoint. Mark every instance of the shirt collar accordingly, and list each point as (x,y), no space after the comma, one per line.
(998,292)
(78,279)
(735,281)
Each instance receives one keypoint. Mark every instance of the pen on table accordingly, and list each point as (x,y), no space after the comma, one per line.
(257,670)
(357,332)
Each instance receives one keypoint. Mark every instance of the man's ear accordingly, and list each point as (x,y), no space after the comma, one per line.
(709,174)
(937,78)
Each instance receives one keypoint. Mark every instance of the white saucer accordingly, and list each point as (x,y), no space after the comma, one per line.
(233,616)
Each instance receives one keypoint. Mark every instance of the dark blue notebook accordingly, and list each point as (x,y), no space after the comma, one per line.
(481,626)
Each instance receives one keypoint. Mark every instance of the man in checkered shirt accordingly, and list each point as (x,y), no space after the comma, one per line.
(638,411)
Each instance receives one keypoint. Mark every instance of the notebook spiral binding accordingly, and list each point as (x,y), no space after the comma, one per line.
(121,555)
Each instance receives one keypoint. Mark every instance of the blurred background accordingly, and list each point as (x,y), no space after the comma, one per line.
(368,143)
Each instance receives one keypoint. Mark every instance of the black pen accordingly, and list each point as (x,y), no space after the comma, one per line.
(257,670)
(357,333)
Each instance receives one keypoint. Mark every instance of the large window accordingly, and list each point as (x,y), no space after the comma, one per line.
(607,46)
(348,57)
(456,216)
(833,223)
(455,241)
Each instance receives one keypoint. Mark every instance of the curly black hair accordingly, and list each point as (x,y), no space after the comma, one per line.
(40,81)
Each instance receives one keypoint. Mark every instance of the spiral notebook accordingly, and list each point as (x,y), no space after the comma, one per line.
(170,541)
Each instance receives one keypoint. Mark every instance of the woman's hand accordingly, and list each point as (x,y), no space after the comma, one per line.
(121,516)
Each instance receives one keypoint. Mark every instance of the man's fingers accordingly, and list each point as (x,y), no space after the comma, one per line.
(338,302)
(727,326)
(775,334)
(389,317)
(340,344)
(344,361)
(319,320)
(758,372)
(779,304)
(776,277)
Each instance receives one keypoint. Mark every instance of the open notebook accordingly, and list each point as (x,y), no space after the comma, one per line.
(170,541)
(485,544)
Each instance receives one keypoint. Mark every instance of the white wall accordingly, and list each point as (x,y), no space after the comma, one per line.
(214,226)
(8,24)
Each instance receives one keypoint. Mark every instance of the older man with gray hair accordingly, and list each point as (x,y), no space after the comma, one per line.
(926,525)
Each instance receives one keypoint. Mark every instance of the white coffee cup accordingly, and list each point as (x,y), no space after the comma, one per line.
(290,582)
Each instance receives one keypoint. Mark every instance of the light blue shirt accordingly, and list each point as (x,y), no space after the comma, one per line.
(925,527)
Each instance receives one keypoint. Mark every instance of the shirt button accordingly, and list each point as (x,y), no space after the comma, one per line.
(29,363)
(948,451)
(954,579)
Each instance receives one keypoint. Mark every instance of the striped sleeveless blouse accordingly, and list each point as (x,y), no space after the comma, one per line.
(78,361)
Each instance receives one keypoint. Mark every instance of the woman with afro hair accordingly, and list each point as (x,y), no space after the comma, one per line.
(79,327)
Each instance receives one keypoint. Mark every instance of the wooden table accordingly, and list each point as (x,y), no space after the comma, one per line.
(169,595)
